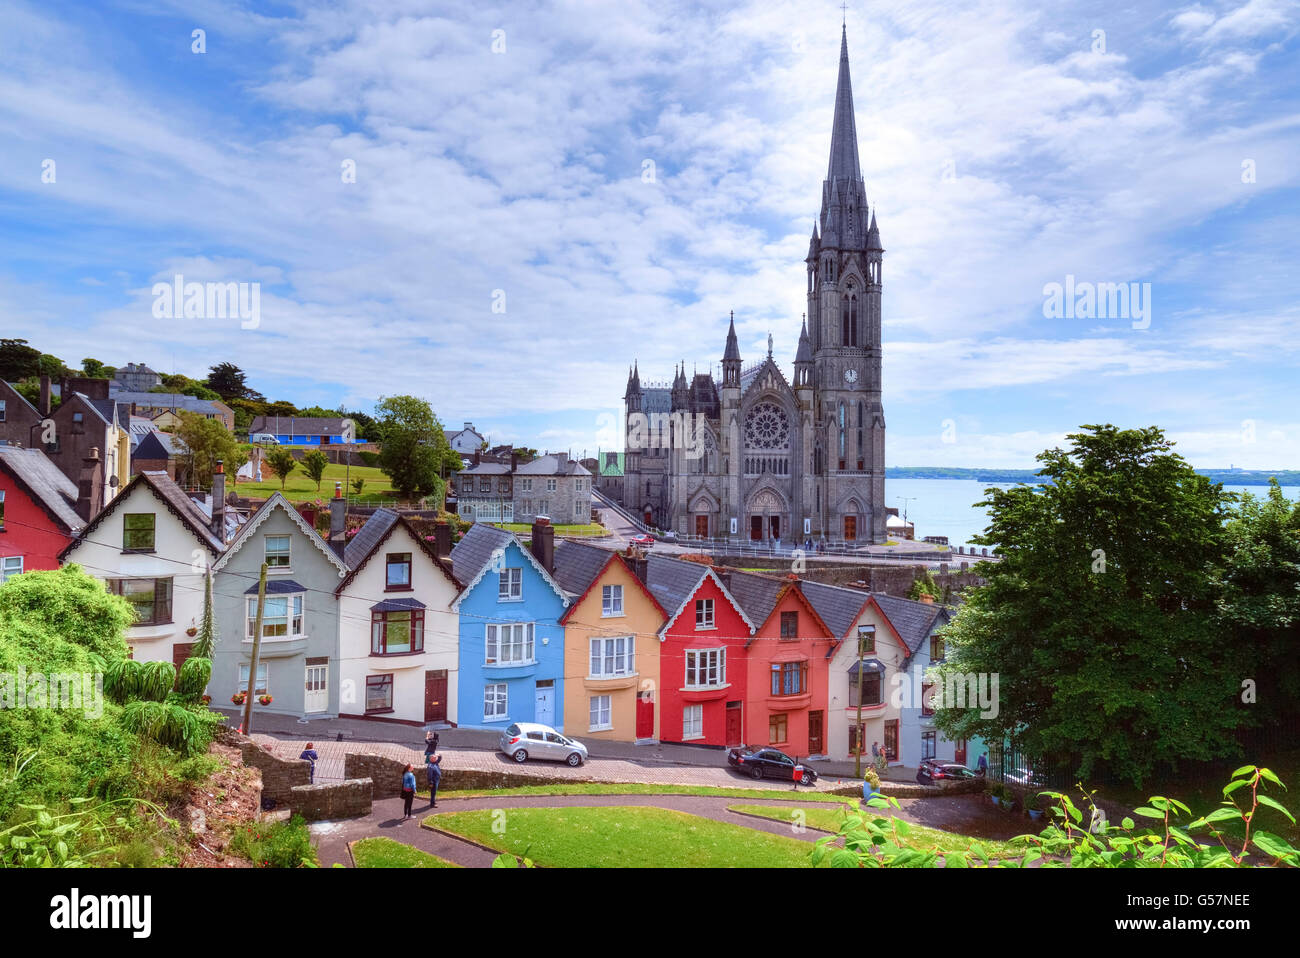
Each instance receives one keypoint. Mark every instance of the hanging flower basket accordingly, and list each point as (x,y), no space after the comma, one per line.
(191,631)
(264,699)
(207,699)
(238,698)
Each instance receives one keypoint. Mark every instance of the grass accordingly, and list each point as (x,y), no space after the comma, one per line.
(300,488)
(920,837)
(387,853)
(623,837)
(590,529)
(590,788)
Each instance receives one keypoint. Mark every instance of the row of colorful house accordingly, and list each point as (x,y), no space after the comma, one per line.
(390,624)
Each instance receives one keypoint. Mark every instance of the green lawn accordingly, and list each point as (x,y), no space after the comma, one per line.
(624,838)
(387,853)
(590,529)
(299,488)
(920,837)
(590,788)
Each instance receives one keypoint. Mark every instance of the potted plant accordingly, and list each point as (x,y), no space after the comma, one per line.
(238,698)
(264,699)
(192,631)
(207,699)
(870,783)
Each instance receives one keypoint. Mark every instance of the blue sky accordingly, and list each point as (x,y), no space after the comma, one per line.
(1005,146)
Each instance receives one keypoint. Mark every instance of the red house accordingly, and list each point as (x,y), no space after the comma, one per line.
(38,511)
(788,664)
(702,668)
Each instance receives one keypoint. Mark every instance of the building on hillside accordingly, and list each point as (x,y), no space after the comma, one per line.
(611,644)
(157,451)
(485,492)
(554,486)
(38,511)
(135,377)
(762,456)
(152,405)
(305,430)
(20,421)
(466,441)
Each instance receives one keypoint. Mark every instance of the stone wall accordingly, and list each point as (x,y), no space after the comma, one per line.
(346,799)
(894,579)
(279,775)
(915,789)
(386,773)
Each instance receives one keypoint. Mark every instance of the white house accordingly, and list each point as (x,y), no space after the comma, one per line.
(398,633)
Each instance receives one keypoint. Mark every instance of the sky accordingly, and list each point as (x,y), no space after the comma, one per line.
(499,207)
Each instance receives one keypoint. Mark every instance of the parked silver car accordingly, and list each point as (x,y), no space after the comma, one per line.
(525,740)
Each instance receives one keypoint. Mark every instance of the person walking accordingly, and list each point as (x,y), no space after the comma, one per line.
(408,791)
(875,752)
(982,765)
(433,769)
(309,753)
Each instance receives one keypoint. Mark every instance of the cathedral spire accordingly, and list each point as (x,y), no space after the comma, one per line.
(732,352)
(844,131)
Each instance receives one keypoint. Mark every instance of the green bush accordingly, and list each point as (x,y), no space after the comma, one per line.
(368,458)
(276,845)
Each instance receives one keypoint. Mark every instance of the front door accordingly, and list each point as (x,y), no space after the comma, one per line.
(702,526)
(317,695)
(180,652)
(891,740)
(850,528)
(544,705)
(814,733)
(435,695)
(774,526)
(756,527)
(645,714)
(959,751)
(734,734)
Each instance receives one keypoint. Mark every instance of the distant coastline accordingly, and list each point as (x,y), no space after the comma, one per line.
(1231,477)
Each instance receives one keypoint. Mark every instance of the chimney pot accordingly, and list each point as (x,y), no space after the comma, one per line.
(543,543)
(219,500)
(442,539)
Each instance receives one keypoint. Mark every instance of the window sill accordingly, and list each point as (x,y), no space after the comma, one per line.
(518,598)
(509,665)
(392,655)
(399,588)
(706,628)
(613,615)
(139,552)
(600,728)
(387,711)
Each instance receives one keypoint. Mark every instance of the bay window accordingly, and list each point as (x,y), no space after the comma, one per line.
(509,644)
(281,618)
(789,678)
(397,633)
(612,657)
(706,667)
(151,599)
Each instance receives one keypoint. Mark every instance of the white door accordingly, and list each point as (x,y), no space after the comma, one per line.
(544,710)
(317,697)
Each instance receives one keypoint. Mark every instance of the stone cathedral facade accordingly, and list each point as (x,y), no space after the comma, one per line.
(758,455)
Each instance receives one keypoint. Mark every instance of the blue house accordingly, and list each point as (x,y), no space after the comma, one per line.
(304,430)
(511,640)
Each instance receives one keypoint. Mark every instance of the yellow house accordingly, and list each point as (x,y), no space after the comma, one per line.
(611,645)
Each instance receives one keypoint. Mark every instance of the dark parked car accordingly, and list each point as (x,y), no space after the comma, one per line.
(769,763)
(933,772)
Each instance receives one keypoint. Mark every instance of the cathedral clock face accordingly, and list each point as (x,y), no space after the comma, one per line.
(767,427)
(850,376)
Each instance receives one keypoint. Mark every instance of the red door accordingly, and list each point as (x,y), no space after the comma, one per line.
(645,715)
(959,752)
(756,527)
(702,526)
(435,696)
(814,733)
(850,528)
(734,734)
(891,740)
(774,523)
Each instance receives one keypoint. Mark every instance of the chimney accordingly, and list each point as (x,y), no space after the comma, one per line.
(338,524)
(442,538)
(725,576)
(514,460)
(926,597)
(478,456)
(219,501)
(640,567)
(90,486)
(45,397)
(544,543)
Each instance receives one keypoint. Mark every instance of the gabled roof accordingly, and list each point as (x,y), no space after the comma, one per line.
(749,376)
(761,594)
(157,445)
(552,464)
(839,607)
(376,531)
(22,399)
(45,484)
(472,558)
(172,496)
(575,572)
(256,519)
(673,582)
(487,469)
(168,401)
(913,620)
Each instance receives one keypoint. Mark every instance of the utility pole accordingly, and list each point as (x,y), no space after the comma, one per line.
(906,500)
(858,763)
(257,647)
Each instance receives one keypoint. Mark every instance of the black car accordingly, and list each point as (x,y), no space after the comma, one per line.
(770,763)
(934,772)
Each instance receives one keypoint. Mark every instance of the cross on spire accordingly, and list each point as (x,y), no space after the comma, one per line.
(844,14)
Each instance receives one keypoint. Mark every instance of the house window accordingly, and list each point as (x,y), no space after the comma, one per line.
(857,738)
(2,508)
(577,511)
(151,599)
(509,644)
(261,687)
(395,633)
(927,744)
(611,600)
(891,740)
(612,656)
(379,693)
(601,718)
(485,485)
(138,532)
(510,584)
(494,701)
(2,410)
(10,566)
(789,625)
(936,648)
(866,640)
(777,728)
(704,613)
(789,678)
(550,485)
(706,667)
(526,485)
(398,570)
(693,722)
(927,698)
(467,485)
(281,617)
(871,689)
(277,552)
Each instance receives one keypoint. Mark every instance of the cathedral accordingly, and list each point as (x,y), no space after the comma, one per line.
(759,456)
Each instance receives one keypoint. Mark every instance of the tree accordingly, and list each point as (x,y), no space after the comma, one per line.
(1098,619)
(282,463)
(228,381)
(205,442)
(414,452)
(183,385)
(358,485)
(314,464)
(206,642)
(281,407)
(52,366)
(94,369)
(18,360)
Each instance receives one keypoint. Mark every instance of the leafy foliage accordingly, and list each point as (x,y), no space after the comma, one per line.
(127,679)
(170,724)
(70,604)
(195,674)
(282,463)
(206,441)
(314,464)
(276,845)
(415,452)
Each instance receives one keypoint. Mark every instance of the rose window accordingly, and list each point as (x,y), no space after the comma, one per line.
(767,427)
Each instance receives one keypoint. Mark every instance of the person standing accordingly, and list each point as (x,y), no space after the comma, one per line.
(430,743)
(408,791)
(433,768)
(982,765)
(875,752)
(309,753)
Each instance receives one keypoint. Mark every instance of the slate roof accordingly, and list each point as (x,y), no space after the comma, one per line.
(173,497)
(487,469)
(474,551)
(838,607)
(277,587)
(757,594)
(368,536)
(577,564)
(553,464)
(656,399)
(157,445)
(166,401)
(913,620)
(299,425)
(671,581)
(48,487)
(397,605)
